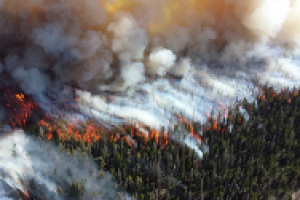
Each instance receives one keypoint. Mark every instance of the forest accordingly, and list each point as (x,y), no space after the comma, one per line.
(250,157)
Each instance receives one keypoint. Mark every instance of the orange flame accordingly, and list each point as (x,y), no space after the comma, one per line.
(207,116)
(198,137)
(125,138)
(165,140)
(262,97)
(27,197)
(66,132)
(215,125)
(296,93)
(19,116)
(20,97)
(190,127)
(225,111)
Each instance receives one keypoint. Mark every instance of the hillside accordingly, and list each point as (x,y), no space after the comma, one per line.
(252,156)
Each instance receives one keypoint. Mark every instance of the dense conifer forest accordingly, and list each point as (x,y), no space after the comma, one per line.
(252,156)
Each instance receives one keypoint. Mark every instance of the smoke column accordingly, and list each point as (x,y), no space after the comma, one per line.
(133,60)
(25,159)
(101,45)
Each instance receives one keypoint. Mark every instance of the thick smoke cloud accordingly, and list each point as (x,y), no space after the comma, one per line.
(96,42)
(119,45)
(24,159)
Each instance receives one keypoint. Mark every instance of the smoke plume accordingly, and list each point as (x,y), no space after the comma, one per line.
(95,42)
(42,169)
(133,60)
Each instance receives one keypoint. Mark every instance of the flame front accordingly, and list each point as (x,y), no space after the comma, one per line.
(20,107)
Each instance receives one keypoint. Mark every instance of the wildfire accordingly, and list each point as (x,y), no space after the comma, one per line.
(215,125)
(125,138)
(71,131)
(20,97)
(20,107)
(225,111)
(89,133)
(262,97)
(281,94)
(250,108)
(165,140)
(152,134)
(27,195)
(295,93)
(207,116)
(190,128)
(80,131)
(94,133)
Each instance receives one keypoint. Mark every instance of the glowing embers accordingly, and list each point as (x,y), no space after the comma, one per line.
(225,111)
(79,131)
(27,197)
(20,97)
(215,125)
(89,133)
(289,96)
(20,108)
(140,131)
(160,137)
(189,127)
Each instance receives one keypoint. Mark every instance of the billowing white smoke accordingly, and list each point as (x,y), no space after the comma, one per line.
(33,81)
(217,47)
(101,45)
(24,159)
(270,19)
(135,70)
(84,42)
(129,39)
(160,61)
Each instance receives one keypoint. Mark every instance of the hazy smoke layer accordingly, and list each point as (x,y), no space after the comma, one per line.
(5,191)
(218,48)
(90,42)
(24,159)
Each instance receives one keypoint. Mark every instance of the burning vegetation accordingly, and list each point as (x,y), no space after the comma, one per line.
(247,159)
(19,106)
(100,45)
